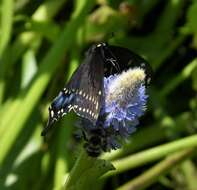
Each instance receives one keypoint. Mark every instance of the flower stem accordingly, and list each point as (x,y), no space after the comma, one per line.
(86,171)
(78,169)
(152,154)
(156,171)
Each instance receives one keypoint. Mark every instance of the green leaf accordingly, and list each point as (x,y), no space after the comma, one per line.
(86,172)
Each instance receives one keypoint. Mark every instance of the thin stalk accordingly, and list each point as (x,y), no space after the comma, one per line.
(151,155)
(153,174)
(6,23)
(185,73)
(189,170)
(6,32)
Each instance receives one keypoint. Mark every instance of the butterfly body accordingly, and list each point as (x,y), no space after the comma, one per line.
(84,92)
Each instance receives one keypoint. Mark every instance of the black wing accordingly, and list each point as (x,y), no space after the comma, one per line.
(124,59)
(87,85)
(83,92)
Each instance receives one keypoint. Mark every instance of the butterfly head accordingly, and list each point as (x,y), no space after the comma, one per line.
(102,44)
(97,48)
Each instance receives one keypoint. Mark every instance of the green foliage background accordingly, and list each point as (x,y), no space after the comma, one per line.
(42,43)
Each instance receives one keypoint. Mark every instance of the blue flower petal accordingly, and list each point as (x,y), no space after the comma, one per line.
(124,113)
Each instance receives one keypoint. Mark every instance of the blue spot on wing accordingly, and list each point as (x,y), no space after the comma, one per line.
(58,108)
(62,101)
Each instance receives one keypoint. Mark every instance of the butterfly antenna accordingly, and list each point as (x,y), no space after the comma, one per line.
(114,60)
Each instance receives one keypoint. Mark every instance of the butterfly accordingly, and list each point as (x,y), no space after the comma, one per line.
(84,92)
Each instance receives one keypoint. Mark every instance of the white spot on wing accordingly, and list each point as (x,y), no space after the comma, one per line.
(96,105)
(63,114)
(65,90)
(87,97)
(52,113)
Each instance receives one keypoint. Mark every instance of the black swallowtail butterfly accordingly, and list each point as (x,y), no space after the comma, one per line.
(83,93)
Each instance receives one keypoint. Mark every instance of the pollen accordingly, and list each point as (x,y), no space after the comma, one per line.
(124,86)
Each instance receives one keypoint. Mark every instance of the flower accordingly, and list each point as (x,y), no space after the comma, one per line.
(124,101)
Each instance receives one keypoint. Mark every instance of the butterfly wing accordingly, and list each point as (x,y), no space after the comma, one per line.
(125,59)
(87,85)
(83,92)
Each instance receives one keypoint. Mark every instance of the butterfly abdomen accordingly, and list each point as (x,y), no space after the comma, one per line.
(93,147)
(94,141)
(99,139)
